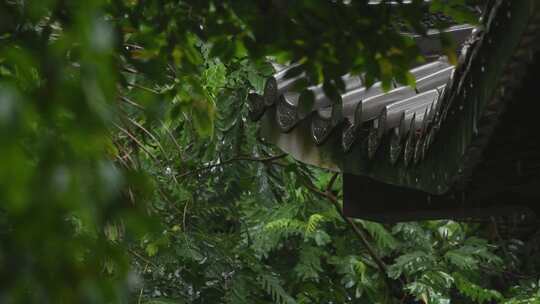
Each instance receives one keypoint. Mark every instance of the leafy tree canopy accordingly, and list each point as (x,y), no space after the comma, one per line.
(130,174)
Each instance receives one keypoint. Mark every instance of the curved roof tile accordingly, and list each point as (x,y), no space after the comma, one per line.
(383,134)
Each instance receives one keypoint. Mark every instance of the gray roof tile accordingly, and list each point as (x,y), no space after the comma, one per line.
(460,105)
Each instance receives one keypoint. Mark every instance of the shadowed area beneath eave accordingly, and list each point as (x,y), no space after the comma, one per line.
(506,180)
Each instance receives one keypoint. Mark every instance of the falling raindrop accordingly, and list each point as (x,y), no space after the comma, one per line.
(168,171)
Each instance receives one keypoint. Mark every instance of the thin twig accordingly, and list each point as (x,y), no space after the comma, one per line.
(234,159)
(142,288)
(129,70)
(131,102)
(184,215)
(148,133)
(172,137)
(135,140)
(134,46)
(143,88)
(142,258)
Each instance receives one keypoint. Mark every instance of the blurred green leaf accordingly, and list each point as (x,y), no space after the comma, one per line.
(203,117)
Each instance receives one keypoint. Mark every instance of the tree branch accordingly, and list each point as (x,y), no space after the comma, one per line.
(234,159)
(358,231)
(331,183)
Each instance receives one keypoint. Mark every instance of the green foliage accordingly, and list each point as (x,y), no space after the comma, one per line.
(163,301)
(273,287)
(528,291)
(131,174)
(239,291)
(309,263)
(475,292)
(59,184)
(381,235)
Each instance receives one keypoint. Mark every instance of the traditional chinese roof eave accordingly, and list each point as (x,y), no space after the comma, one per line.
(443,149)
